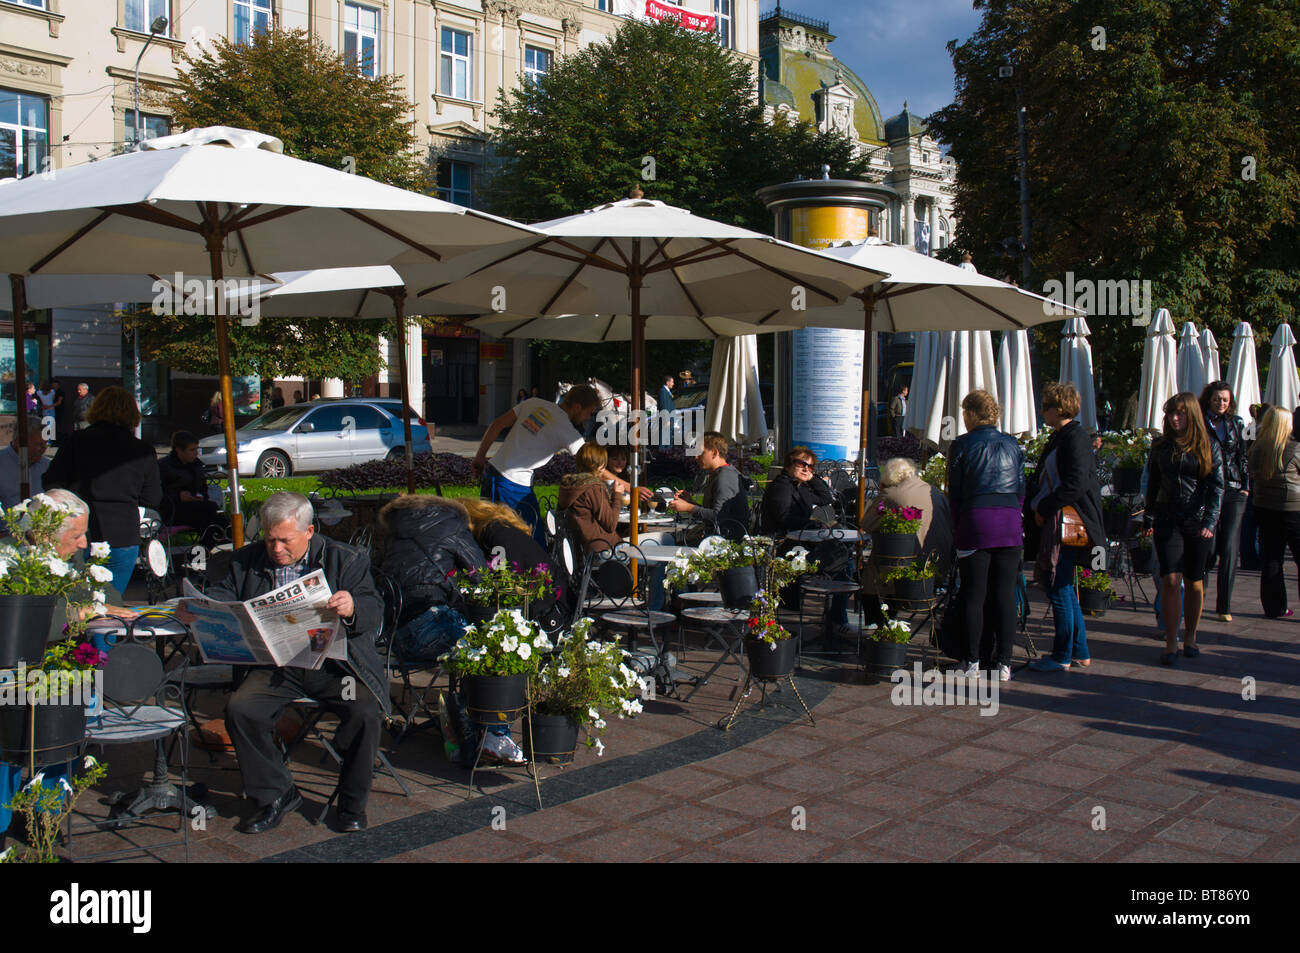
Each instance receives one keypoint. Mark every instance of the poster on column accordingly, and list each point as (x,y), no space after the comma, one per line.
(826,363)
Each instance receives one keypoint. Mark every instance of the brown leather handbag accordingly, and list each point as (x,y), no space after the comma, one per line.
(1073,532)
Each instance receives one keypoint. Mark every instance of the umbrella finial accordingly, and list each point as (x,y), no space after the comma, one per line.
(826,171)
(635,192)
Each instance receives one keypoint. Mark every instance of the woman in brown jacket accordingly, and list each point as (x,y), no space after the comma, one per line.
(585,498)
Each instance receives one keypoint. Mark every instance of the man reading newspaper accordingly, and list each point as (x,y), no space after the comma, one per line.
(354,689)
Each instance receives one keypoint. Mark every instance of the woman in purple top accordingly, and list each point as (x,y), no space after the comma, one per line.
(986,489)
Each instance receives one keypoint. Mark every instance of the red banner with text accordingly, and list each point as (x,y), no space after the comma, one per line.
(687,18)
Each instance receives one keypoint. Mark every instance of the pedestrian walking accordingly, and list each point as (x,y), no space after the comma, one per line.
(1225,429)
(81,407)
(897,411)
(1275,475)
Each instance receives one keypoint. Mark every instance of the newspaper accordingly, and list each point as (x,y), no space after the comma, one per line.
(289,626)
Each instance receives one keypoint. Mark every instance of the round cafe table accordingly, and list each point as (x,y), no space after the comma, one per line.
(824,533)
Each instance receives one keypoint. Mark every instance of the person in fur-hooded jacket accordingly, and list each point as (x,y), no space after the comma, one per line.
(586,499)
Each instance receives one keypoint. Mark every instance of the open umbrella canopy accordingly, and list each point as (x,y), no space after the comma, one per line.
(1159,383)
(1210,350)
(70,291)
(1243,370)
(735,407)
(1190,373)
(1076,369)
(592,328)
(1283,387)
(1016,385)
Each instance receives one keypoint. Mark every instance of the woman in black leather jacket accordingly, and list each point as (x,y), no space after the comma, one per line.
(1225,428)
(1184,492)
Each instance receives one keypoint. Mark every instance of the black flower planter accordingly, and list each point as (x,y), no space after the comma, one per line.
(1143,560)
(24,627)
(882,658)
(894,545)
(914,590)
(737,586)
(554,738)
(768,662)
(495,699)
(1126,481)
(1094,600)
(60,730)
(1116,523)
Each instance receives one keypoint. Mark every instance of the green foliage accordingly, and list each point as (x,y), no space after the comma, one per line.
(1141,157)
(45,810)
(915,571)
(584,680)
(292,86)
(507,644)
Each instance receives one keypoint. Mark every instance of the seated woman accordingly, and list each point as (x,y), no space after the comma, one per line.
(901,487)
(790,498)
(499,531)
(185,487)
(586,500)
(428,538)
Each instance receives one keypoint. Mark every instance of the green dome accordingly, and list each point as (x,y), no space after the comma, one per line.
(903,126)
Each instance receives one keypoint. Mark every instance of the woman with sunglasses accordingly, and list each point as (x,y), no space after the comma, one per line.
(1184,494)
(793,493)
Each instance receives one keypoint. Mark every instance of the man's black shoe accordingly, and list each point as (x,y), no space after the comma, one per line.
(350,823)
(270,816)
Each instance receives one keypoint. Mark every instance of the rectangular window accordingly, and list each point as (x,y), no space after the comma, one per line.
(722,19)
(24,133)
(151,127)
(251,16)
(605,5)
(456,182)
(37,4)
(361,38)
(457,64)
(141,13)
(537,63)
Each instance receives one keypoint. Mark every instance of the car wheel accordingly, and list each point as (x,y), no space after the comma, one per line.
(273,465)
(397,453)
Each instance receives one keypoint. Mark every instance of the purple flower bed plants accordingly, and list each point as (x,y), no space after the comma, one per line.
(907,447)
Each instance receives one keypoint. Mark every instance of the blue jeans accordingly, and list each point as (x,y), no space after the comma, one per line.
(429,634)
(121,563)
(519,498)
(1071,635)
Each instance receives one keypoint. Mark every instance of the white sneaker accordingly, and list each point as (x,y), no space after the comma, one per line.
(503,748)
(969,670)
(1004,673)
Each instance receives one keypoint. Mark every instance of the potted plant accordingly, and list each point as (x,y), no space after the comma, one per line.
(1032,445)
(488,591)
(1142,555)
(936,471)
(913,582)
(732,565)
(1127,454)
(887,648)
(45,809)
(1116,518)
(572,692)
(43,708)
(34,578)
(1094,590)
(494,660)
(770,647)
(895,535)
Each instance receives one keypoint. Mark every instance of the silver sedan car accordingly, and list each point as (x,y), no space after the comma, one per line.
(317,436)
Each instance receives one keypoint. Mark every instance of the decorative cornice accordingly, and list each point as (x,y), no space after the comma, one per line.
(25,53)
(176,46)
(53,20)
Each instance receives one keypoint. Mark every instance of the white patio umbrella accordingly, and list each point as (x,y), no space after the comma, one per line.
(735,407)
(1243,371)
(971,367)
(1159,383)
(644,259)
(1016,385)
(1210,349)
(924,394)
(217,202)
(1283,387)
(1076,368)
(1191,361)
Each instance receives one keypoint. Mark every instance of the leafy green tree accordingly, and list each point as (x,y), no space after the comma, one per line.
(290,85)
(663,108)
(1162,146)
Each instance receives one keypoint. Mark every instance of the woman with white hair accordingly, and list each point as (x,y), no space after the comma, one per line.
(900,486)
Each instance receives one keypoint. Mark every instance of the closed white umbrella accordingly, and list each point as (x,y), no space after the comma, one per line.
(1076,369)
(1159,383)
(1283,387)
(1191,361)
(922,392)
(735,408)
(1210,349)
(929,427)
(1016,385)
(971,367)
(1243,371)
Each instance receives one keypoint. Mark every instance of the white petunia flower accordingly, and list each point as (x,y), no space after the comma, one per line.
(525,651)
(99,550)
(562,671)
(600,748)
(58,567)
(100,574)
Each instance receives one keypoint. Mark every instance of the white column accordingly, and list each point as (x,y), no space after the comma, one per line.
(415,366)
(909,239)
(331,387)
(934,225)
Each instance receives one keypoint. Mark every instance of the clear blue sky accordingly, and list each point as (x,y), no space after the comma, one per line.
(896,46)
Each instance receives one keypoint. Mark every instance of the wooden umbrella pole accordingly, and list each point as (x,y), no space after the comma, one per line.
(868,307)
(215,239)
(18,288)
(638,385)
(399,303)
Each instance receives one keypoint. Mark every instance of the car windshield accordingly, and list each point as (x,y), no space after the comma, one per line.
(282,418)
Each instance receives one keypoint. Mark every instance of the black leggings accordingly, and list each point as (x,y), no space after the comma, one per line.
(989,575)
(1278,530)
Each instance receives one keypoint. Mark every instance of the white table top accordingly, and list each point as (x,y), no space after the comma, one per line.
(647,519)
(665,554)
(817,535)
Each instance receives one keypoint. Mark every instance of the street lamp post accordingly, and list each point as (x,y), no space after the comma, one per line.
(156,28)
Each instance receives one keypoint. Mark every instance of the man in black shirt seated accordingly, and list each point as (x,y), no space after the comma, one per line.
(185,487)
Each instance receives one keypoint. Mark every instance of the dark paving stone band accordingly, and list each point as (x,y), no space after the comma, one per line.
(473,814)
